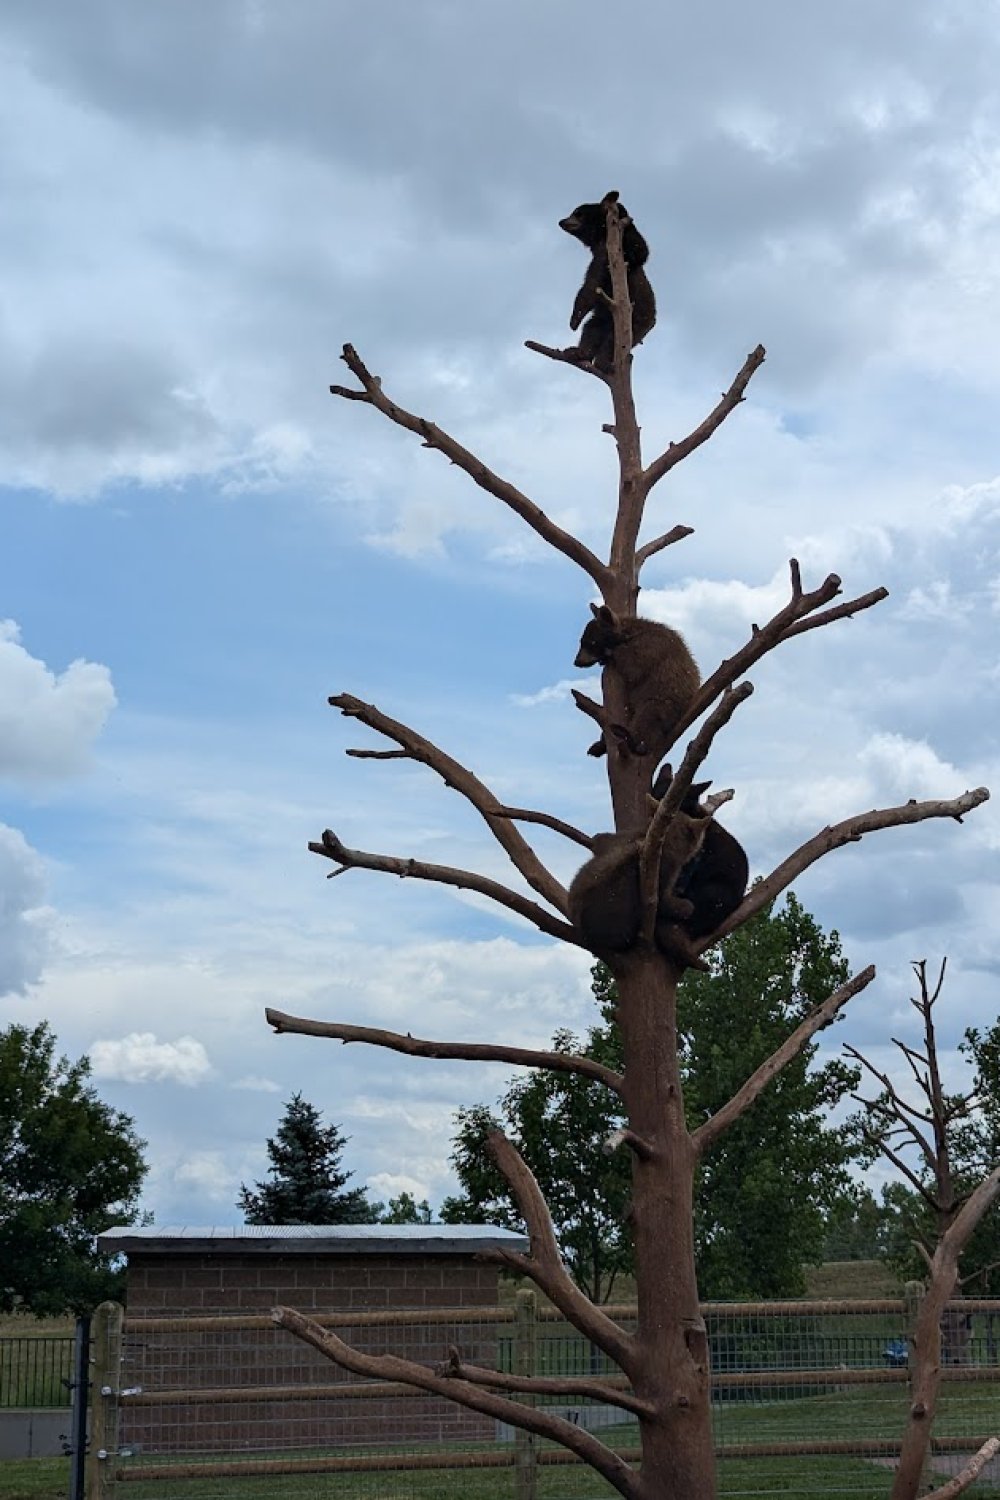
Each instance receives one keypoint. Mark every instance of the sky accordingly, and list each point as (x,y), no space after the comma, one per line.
(201,205)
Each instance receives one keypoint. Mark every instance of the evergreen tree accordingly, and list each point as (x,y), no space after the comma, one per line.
(307,1181)
(70,1167)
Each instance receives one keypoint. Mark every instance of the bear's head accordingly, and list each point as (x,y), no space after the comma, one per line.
(599,639)
(588,222)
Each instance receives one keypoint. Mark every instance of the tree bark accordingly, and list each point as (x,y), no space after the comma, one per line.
(670,1373)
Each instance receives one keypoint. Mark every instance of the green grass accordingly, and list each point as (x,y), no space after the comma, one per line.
(35,1479)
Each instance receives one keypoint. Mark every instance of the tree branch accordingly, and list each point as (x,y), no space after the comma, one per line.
(412,1046)
(632,489)
(965,1477)
(838,612)
(849,831)
(544,1265)
(526,815)
(821,1015)
(501,489)
(457,776)
(566,357)
(730,399)
(331,847)
(762,640)
(650,549)
(588,1385)
(881,1143)
(651,852)
(463,1393)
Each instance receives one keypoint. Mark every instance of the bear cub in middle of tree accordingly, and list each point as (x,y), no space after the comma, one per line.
(715,879)
(588,223)
(604,897)
(660,675)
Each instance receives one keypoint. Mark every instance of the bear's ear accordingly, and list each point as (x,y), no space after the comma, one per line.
(604,614)
(611,197)
(699,788)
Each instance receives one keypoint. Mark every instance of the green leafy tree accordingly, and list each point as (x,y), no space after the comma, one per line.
(560,1123)
(70,1167)
(765,1191)
(856,1226)
(308,1184)
(406,1210)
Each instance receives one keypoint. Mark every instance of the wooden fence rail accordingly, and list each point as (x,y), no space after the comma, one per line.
(742,1329)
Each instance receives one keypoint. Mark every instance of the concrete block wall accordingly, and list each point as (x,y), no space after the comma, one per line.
(162,1284)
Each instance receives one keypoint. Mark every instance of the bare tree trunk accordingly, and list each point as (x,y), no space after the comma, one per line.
(671,1371)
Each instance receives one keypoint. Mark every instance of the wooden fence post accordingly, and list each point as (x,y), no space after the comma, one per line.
(105,1380)
(913,1296)
(525,1362)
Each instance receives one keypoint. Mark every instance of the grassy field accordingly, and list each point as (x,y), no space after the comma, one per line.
(35,1479)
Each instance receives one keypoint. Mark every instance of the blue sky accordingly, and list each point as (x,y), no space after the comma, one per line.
(201,205)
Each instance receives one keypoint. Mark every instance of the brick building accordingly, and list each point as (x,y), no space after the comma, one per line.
(191,1275)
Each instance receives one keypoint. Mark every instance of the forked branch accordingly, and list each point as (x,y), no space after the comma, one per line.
(417,747)
(464,1393)
(782,626)
(851,830)
(412,1046)
(331,847)
(435,437)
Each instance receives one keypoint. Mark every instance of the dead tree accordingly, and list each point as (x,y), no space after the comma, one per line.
(902,1130)
(665,1361)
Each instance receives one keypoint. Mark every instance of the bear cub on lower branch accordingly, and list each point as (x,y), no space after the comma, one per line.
(588,223)
(715,880)
(605,903)
(660,676)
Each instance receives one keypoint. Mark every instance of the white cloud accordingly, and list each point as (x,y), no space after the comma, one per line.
(48,722)
(386,1185)
(25,924)
(206,1174)
(140,1058)
(903,767)
(257,1085)
(556,693)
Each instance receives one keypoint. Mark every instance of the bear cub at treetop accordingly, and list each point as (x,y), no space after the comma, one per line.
(588,223)
(659,673)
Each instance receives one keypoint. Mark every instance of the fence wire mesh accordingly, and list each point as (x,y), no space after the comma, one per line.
(808,1399)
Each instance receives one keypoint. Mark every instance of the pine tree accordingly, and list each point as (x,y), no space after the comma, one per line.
(308,1182)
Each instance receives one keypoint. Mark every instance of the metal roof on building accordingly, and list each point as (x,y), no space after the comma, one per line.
(334,1239)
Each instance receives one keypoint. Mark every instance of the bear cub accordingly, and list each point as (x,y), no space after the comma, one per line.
(659,673)
(715,880)
(605,899)
(588,223)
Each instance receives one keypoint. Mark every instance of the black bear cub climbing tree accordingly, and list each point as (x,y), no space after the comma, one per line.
(644,903)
